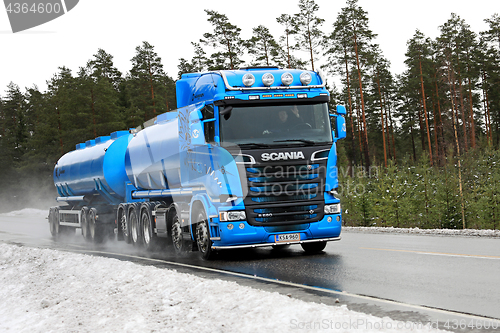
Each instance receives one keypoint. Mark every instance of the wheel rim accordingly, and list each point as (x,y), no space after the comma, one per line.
(123,224)
(146,227)
(202,236)
(176,233)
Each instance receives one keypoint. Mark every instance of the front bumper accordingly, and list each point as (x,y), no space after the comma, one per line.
(243,235)
(222,247)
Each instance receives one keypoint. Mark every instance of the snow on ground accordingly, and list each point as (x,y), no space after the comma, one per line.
(44,290)
(436,232)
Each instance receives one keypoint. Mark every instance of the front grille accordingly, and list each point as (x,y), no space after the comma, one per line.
(285,194)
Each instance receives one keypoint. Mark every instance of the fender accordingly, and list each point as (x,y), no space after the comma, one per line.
(210,209)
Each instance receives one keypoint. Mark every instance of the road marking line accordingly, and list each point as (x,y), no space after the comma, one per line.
(436,253)
(302,286)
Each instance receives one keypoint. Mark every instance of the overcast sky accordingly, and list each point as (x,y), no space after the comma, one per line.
(33,56)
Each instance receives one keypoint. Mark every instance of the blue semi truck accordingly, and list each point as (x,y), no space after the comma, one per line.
(247,160)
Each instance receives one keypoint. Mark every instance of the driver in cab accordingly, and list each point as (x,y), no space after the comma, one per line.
(287,120)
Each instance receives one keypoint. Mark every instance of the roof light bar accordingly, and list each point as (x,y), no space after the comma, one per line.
(249,87)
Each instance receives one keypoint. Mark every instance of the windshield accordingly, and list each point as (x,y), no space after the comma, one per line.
(275,124)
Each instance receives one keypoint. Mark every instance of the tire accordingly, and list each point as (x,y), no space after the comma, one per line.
(313,247)
(176,233)
(202,234)
(85,224)
(135,228)
(54,222)
(96,233)
(149,238)
(122,224)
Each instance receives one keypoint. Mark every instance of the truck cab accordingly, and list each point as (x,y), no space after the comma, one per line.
(276,138)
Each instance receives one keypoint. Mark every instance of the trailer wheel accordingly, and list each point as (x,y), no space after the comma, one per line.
(313,247)
(122,224)
(85,224)
(203,236)
(177,236)
(149,238)
(95,232)
(54,221)
(134,227)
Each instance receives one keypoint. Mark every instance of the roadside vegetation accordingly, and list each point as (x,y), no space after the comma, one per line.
(421,147)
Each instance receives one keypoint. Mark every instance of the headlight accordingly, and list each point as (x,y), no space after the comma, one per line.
(287,78)
(236,215)
(305,78)
(267,79)
(248,79)
(332,209)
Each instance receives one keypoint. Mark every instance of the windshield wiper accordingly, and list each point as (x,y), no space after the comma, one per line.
(309,142)
(254,145)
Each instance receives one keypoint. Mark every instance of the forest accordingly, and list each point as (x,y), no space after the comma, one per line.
(422,146)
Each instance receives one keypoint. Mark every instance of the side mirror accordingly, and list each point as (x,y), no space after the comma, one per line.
(340,131)
(341,109)
(341,127)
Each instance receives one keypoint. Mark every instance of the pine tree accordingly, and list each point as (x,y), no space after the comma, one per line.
(145,84)
(225,37)
(286,44)
(14,126)
(338,48)
(263,47)
(352,34)
(490,77)
(418,63)
(307,24)
(198,63)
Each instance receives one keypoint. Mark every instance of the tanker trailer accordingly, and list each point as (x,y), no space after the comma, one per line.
(89,179)
(221,172)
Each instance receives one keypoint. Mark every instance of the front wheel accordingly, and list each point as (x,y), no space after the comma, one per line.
(313,247)
(203,237)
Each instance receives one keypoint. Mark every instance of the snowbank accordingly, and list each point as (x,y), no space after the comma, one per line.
(437,232)
(44,290)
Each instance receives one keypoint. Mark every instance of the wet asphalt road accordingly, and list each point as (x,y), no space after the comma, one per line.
(456,274)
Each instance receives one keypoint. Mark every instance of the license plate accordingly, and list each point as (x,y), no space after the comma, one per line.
(287,238)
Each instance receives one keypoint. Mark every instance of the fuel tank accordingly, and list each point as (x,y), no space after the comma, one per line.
(96,166)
